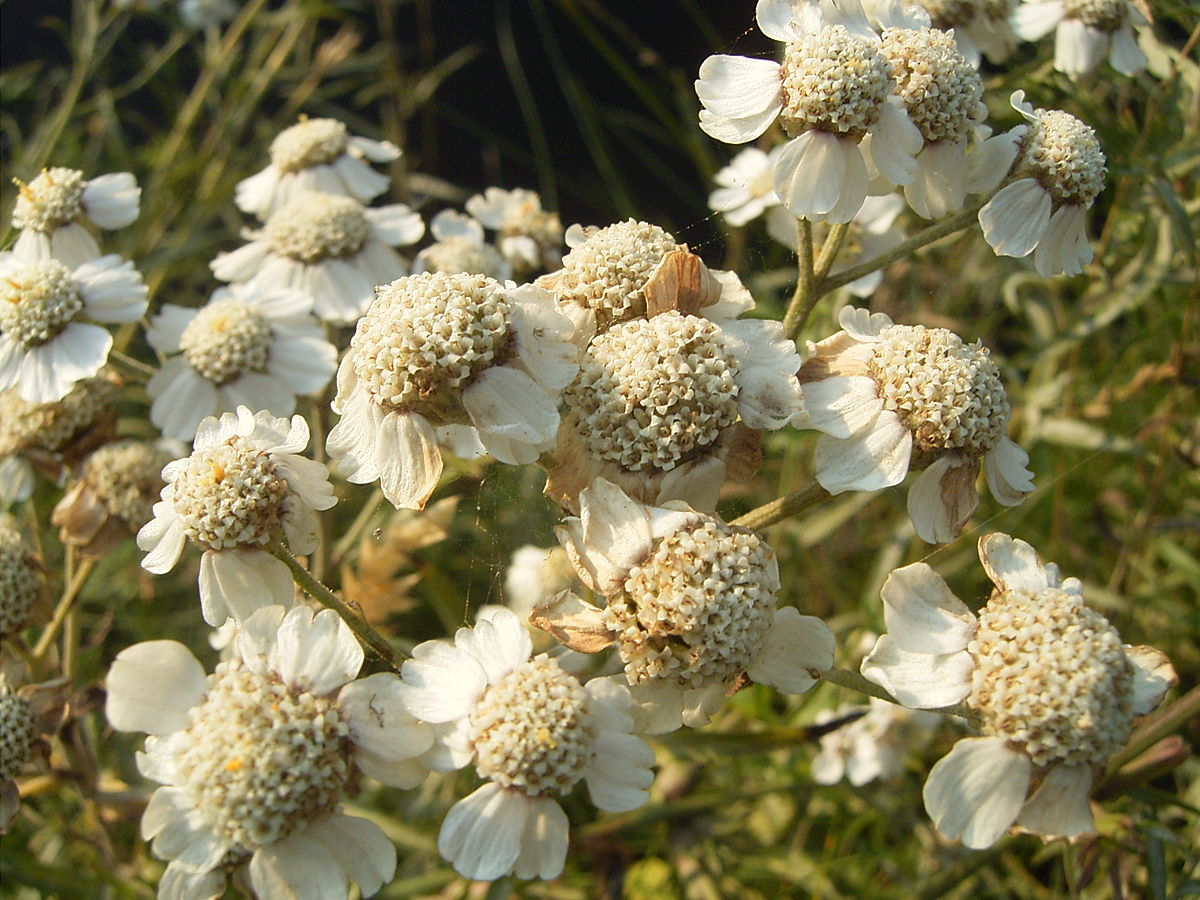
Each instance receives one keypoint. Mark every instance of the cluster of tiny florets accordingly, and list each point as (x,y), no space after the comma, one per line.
(946,392)
(226,339)
(833,81)
(651,393)
(608,271)
(696,611)
(316,226)
(48,426)
(1051,677)
(1103,15)
(20,581)
(426,336)
(229,496)
(531,732)
(126,477)
(50,201)
(458,254)
(37,302)
(18,728)
(940,89)
(1064,155)
(313,142)
(262,758)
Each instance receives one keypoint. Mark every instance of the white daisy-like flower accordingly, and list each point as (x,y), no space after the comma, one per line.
(980,27)
(255,759)
(690,606)
(52,436)
(52,210)
(531,730)
(22,580)
(833,88)
(251,345)
(1085,32)
(531,238)
(666,406)
(890,398)
(746,187)
(316,155)
(872,746)
(460,248)
(47,343)
(1052,688)
(1058,174)
(457,360)
(873,231)
(329,247)
(243,487)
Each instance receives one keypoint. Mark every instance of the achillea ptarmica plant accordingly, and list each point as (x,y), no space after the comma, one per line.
(243,488)
(890,398)
(255,759)
(1059,172)
(329,247)
(1085,32)
(690,607)
(448,359)
(532,730)
(1047,680)
(980,27)
(52,210)
(530,238)
(22,580)
(316,155)
(48,341)
(460,248)
(833,88)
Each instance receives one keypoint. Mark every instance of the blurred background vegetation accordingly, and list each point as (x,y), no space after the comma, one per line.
(591,104)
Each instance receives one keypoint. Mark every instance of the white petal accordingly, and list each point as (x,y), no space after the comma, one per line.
(659,706)
(939,185)
(358,179)
(179,834)
(405,774)
(1078,48)
(1035,19)
(163,537)
(841,405)
(177,884)
(316,653)
(797,649)
(611,535)
(167,327)
(862,324)
(543,841)
(297,868)
(112,200)
(255,195)
(407,458)
(1059,807)
(112,290)
(942,498)
(1004,468)
(620,772)
(811,171)
(182,398)
(47,373)
(737,87)
(442,682)
(481,836)
(351,443)
(513,414)
(1014,565)
(1153,676)
(1063,248)
(867,462)
(152,685)
(1014,220)
(895,143)
(238,582)
(71,245)
(919,680)
(360,849)
(1125,55)
(255,638)
(396,224)
(241,264)
(379,721)
(922,614)
(975,792)
(543,338)
(499,642)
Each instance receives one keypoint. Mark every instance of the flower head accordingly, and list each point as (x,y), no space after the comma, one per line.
(531,730)
(46,344)
(255,759)
(461,249)
(893,397)
(1051,686)
(448,358)
(27,714)
(1085,32)
(980,27)
(746,187)
(242,489)
(530,238)
(51,211)
(316,155)
(250,344)
(327,246)
(690,607)
(873,744)
(21,580)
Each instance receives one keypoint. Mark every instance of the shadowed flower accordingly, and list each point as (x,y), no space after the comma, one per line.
(746,187)
(530,237)
(531,730)
(1085,32)
(255,759)
(461,249)
(872,746)
(980,27)
(890,398)
(1048,680)
(51,211)
(243,487)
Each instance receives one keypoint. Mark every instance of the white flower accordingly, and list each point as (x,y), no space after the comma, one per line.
(458,360)
(893,397)
(329,247)
(243,487)
(980,27)
(690,607)
(46,344)
(530,237)
(746,186)
(531,730)
(873,745)
(1059,173)
(1085,31)
(1053,689)
(461,249)
(51,211)
(316,155)
(254,760)
(833,89)
(251,345)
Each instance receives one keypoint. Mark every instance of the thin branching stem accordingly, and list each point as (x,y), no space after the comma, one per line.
(65,604)
(805,295)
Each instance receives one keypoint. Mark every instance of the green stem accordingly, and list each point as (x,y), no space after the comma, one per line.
(804,296)
(782,507)
(1156,727)
(370,638)
(829,251)
(130,366)
(347,541)
(70,593)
